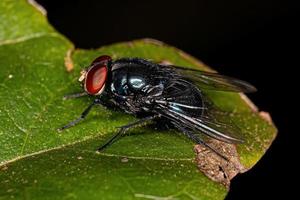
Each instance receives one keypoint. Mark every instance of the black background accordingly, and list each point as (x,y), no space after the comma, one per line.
(250,39)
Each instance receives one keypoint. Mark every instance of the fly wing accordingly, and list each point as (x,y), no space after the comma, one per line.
(215,120)
(214,81)
(182,103)
(224,132)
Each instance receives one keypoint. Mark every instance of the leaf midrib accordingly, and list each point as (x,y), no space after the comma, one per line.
(99,153)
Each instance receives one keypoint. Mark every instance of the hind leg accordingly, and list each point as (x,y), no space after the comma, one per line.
(198,140)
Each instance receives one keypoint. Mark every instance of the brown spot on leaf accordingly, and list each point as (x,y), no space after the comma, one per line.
(37,6)
(266,116)
(124,160)
(68,60)
(165,62)
(3,168)
(215,167)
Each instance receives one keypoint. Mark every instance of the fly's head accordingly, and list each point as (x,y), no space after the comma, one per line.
(95,76)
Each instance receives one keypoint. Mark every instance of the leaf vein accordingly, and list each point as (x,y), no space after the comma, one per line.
(14,123)
(145,158)
(27,37)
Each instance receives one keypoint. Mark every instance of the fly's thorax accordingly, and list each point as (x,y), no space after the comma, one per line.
(129,77)
(119,84)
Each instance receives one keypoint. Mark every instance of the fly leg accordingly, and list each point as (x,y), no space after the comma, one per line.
(123,129)
(82,116)
(73,96)
(198,140)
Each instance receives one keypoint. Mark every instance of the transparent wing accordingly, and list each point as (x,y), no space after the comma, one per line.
(218,130)
(214,81)
(215,120)
(182,106)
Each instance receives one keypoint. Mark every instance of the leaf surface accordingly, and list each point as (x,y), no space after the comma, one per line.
(39,163)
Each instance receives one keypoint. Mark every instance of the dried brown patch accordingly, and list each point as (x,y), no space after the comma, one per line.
(215,167)
(3,168)
(266,116)
(40,8)
(165,62)
(68,60)
(124,160)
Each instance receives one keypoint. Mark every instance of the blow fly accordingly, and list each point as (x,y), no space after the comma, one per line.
(156,92)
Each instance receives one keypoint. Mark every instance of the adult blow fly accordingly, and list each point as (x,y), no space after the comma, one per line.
(156,92)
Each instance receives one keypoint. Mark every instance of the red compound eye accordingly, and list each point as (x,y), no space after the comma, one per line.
(103,59)
(96,75)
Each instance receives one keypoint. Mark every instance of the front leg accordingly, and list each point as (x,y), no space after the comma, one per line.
(81,117)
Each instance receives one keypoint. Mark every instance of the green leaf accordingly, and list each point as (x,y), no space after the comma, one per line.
(36,162)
